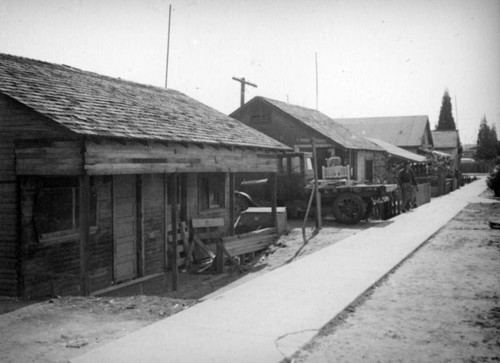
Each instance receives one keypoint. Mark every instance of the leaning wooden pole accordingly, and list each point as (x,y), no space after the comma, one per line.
(319,222)
(313,192)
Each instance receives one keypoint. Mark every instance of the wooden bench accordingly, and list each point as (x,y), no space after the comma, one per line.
(243,244)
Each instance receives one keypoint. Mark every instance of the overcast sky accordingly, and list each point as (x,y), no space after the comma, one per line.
(375,57)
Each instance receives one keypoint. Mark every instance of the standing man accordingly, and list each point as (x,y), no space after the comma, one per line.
(406,179)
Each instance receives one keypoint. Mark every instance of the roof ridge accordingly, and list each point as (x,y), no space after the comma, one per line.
(90,73)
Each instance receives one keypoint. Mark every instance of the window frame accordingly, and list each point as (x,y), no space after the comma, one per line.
(70,184)
(211,191)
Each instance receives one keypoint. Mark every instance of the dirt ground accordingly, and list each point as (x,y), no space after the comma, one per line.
(440,305)
(61,328)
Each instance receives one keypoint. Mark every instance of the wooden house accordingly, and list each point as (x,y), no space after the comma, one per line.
(412,133)
(296,126)
(94,171)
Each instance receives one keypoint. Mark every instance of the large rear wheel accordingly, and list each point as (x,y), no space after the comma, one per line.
(349,208)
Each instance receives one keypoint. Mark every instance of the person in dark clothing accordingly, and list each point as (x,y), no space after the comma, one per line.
(407,181)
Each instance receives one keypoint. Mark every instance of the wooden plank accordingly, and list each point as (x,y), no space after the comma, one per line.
(207,222)
(203,247)
(185,242)
(264,231)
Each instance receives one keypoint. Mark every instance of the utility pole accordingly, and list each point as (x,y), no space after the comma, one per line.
(316,57)
(168,43)
(243,83)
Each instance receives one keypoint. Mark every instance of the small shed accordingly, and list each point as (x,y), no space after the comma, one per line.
(296,126)
(95,170)
(412,133)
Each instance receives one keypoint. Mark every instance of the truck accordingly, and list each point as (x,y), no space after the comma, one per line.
(348,201)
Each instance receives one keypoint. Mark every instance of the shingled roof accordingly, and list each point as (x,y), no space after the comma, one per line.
(324,125)
(91,104)
(402,131)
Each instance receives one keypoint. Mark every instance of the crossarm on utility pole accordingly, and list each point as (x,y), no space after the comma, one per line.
(243,83)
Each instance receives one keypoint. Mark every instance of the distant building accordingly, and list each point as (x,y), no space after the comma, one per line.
(296,126)
(448,142)
(411,133)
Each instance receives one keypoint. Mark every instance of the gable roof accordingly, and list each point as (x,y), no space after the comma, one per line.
(322,124)
(446,139)
(402,131)
(399,152)
(91,104)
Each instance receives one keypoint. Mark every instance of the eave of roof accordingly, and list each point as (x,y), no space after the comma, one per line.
(399,152)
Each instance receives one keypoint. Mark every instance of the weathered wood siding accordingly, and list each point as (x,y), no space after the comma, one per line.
(153,201)
(19,122)
(48,158)
(100,248)
(53,267)
(16,122)
(8,238)
(47,268)
(135,158)
(276,124)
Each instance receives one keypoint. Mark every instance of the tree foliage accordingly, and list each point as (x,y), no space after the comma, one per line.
(446,121)
(487,142)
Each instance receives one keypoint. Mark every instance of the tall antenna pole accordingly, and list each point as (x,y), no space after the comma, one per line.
(456,111)
(316,56)
(243,83)
(168,43)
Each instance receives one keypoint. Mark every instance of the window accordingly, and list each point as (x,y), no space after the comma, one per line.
(57,207)
(211,191)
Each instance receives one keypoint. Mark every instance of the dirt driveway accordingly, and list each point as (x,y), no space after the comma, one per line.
(59,329)
(440,305)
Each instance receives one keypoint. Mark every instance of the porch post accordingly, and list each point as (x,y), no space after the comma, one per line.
(232,217)
(175,226)
(274,200)
(84,194)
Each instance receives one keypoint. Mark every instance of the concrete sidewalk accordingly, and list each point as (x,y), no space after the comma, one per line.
(270,317)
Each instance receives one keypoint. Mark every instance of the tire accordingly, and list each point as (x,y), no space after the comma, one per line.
(349,208)
(240,204)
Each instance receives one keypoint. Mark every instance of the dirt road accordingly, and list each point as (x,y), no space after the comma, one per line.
(440,305)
